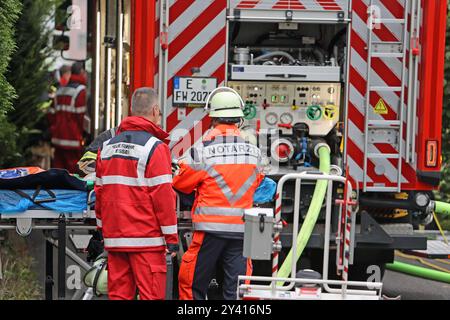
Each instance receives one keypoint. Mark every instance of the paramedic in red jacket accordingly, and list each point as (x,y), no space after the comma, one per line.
(135,204)
(66,120)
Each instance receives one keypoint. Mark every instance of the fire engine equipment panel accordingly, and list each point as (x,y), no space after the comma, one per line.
(281,105)
(290,78)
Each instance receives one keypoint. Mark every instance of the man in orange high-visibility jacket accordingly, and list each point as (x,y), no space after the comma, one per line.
(135,206)
(224,172)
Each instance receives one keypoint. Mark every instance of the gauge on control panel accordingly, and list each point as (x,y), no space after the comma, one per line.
(271,119)
(286,118)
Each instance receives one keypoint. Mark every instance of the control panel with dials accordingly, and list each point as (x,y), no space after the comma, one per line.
(281,105)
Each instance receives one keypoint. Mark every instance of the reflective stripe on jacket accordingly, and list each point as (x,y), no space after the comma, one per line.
(224,172)
(135,204)
(67,115)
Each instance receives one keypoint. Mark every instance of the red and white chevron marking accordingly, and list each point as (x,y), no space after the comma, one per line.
(196,38)
(157,41)
(276,238)
(316,5)
(385,72)
(347,241)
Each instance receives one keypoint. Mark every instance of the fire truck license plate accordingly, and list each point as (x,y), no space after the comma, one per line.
(192,91)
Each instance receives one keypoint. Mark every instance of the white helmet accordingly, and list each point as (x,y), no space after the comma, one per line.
(97,276)
(225,102)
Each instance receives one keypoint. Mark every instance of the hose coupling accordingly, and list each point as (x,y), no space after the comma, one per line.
(320,145)
(278,227)
(336,170)
(276,247)
(431,207)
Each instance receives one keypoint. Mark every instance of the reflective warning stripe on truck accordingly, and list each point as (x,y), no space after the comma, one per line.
(385,105)
(196,38)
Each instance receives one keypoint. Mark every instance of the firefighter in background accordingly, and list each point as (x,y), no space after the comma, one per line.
(86,165)
(224,172)
(66,120)
(64,74)
(135,205)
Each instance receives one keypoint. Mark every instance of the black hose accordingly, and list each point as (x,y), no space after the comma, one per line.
(235,31)
(335,40)
(319,55)
(387,203)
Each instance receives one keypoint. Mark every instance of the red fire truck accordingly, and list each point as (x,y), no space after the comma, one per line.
(363,76)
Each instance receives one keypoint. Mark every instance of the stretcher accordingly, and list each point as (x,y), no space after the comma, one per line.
(52,201)
(64,204)
(39,209)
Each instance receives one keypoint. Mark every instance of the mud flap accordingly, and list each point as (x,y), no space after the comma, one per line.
(372,232)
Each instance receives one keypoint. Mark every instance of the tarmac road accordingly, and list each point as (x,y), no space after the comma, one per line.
(413,288)
(394,283)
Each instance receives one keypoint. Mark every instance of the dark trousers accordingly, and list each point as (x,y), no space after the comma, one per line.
(200,261)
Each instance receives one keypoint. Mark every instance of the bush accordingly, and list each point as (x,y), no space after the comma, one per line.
(31,61)
(29,75)
(9,12)
(19,280)
(9,156)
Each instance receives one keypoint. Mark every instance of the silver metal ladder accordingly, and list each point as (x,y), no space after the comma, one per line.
(392,50)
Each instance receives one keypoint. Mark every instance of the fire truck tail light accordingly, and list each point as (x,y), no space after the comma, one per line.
(432,153)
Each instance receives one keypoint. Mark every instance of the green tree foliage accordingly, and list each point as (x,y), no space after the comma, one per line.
(444,193)
(28,71)
(9,13)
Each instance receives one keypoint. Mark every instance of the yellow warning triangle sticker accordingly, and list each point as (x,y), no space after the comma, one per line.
(381,107)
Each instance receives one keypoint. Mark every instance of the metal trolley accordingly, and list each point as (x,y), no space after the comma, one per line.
(314,289)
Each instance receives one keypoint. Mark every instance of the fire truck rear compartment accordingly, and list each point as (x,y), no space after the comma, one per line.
(292,78)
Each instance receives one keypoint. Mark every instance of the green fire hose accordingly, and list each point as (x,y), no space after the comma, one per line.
(442,207)
(419,271)
(426,273)
(312,215)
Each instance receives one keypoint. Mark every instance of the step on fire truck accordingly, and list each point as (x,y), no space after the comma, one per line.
(362,77)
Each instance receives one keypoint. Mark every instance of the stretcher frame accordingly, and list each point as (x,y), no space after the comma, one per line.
(50,220)
(47,221)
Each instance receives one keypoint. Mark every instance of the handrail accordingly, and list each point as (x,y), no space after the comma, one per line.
(298,177)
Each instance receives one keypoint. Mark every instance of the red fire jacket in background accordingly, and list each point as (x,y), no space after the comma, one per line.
(135,202)
(66,118)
